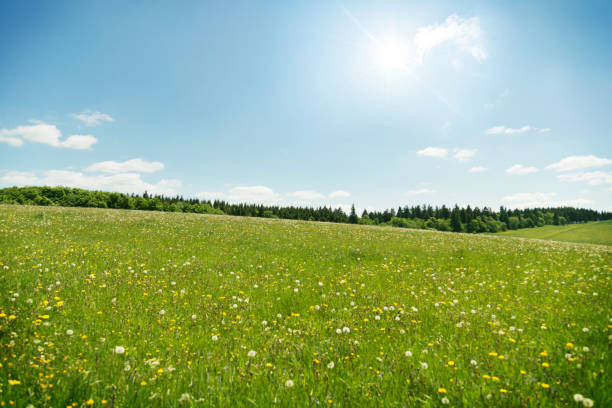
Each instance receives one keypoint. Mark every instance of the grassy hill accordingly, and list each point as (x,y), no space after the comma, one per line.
(131,308)
(592,233)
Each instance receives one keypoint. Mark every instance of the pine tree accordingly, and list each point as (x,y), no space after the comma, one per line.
(353,219)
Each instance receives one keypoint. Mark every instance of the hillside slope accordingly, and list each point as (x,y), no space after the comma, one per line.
(591,233)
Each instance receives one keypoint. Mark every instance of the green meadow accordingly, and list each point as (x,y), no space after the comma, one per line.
(131,308)
(591,232)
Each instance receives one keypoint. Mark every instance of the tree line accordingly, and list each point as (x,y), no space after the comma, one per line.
(458,219)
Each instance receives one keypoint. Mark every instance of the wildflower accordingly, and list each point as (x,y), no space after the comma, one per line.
(503,391)
(408,353)
(119,350)
(346,329)
(289,384)
(445,401)
(587,402)
(330,365)
(570,345)
(214,338)
(442,390)
(338,331)
(474,362)
(424,366)
(251,353)
(69,332)
(14,382)
(90,402)
(545,365)
(578,397)
(193,317)
(544,385)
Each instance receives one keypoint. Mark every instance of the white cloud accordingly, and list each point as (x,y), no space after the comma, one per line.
(79,142)
(45,134)
(90,118)
(306,195)
(339,194)
(253,194)
(123,183)
(504,130)
(525,200)
(463,33)
(433,152)
(133,165)
(477,169)
(211,195)
(419,191)
(592,178)
(579,162)
(464,155)
(519,169)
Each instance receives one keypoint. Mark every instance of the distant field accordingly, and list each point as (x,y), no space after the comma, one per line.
(129,308)
(591,233)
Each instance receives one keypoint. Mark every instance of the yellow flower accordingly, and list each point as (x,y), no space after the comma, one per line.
(569,345)
(90,402)
(442,390)
(2,314)
(544,385)
(545,365)
(503,390)
(493,354)
(12,317)
(160,371)
(14,382)
(544,354)
(451,363)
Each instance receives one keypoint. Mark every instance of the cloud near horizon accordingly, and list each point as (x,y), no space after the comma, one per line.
(579,162)
(133,165)
(92,119)
(541,200)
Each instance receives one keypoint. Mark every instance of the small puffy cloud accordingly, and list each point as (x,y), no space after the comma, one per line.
(133,165)
(464,155)
(122,183)
(306,195)
(592,178)
(477,169)
(463,33)
(252,194)
(419,191)
(519,169)
(91,119)
(47,134)
(530,200)
(579,162)
(504,130)
(439,152)
(339,194)
(210,195)
(79,142)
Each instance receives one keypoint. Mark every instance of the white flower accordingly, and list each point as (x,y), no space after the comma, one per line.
(586,349)
(320,283)
(317,307)
(289,384)
(377,317)
(587,402)
(119,350)
(162,312)
(346,329)
(251,353)
(295,290)
(445,401)
(184,397)
(578,397)
(264,322)
(338,331)
(331,365)
(586,329)
(69,332)
(473,362)
(408,353)
(214,338)
(424,366)
(193,317)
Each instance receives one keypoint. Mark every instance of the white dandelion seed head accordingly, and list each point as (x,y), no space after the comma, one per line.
(252,353)
(578,397)
(162,312)
(331,365)
(119,350)
(69,332)
(193,317)
(424,366)
(214,338)
(474,362)
(346,329)
(445,401)
(289,383)
(408,353)
(338,331)
(587,402)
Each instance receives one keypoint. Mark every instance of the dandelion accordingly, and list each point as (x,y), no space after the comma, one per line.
(69,332)
(587,402)
(90,402)
(346,329)
(193,317)
(408,353)
(338,331)
(331,365)
(251,353)
(162,312)
(445,401)
(214,337)
(289,383)
(119,350)
(442,390)
(14,382)
(424,366)
(578,397)
(474,363)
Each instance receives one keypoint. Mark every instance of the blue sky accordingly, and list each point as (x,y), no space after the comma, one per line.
(374,103)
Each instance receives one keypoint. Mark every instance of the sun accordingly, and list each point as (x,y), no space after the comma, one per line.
(391,54)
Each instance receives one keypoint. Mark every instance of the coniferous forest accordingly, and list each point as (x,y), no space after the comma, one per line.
(457,219)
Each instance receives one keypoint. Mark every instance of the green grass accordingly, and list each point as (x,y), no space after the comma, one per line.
(591,233)
(488,320)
